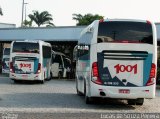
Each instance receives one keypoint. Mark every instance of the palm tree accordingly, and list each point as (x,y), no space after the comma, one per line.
(1,13)
(41,18)
(86,19)
(27,23)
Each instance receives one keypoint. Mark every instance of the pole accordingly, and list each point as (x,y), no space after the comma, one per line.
(22,13)
(25,11)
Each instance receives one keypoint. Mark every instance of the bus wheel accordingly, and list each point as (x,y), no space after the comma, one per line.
(88,100)
(140,101)
(42,81)
(16,81)
(131,102)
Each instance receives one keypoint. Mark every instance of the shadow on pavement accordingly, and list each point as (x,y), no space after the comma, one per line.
(58,100)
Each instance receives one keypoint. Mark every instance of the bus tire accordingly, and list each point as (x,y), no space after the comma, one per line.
(88,100)
(140,101)
(41,81)
(131,102)
(16,81)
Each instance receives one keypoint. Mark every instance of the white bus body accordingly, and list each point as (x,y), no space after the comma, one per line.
(5,60)
(116,58)
(30,60)
(61,65)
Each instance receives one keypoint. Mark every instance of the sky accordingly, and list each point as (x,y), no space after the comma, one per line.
(62,10)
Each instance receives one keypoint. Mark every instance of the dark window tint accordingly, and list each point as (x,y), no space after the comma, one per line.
(26,47)
(67,63)
(46,52)
(6,51)
(83,51)
(116,31)
(57,59)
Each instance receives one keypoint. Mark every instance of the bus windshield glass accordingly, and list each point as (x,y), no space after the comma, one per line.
(125,32)
(26,47)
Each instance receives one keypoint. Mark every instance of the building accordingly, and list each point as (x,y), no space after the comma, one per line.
(57,36)
(6,25)
(62,39)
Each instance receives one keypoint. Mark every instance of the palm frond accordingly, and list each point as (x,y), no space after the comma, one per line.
(41,18)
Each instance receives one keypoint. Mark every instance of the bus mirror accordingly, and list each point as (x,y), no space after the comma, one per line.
(75,51)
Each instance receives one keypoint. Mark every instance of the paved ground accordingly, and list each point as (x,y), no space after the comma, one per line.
(58,99)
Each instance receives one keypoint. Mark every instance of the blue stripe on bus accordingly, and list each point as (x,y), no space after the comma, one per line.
(146,68)
(45,65)
(36,61)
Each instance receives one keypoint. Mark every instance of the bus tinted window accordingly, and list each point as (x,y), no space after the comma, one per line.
(117,31)
(6,51)
(46,52)
(58,59)
(26,47)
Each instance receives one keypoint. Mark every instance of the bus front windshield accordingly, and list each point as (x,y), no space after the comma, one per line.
(26,47)
(125,31)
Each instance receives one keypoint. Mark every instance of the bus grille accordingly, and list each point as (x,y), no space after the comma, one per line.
(124,55)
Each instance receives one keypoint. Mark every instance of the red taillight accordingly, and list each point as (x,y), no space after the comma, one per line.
(11,67)
(39,68)
(95,69)
(153,71)
(95,74)
(152,75)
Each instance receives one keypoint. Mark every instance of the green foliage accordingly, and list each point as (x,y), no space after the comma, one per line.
(41,18)
(27,23)
(86,19)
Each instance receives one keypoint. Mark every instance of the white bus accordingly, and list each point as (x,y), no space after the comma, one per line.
(30,60)
(60,66)
(116,58)
(5,60)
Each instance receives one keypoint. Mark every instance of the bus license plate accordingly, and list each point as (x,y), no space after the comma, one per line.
(124,91)
(24,76)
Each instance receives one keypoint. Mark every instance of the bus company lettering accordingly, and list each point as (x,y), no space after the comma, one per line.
(126,68)
(25,65)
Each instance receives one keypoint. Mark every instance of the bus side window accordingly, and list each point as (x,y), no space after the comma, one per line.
(58,60)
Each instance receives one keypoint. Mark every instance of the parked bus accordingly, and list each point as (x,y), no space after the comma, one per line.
(61,65)
(117,58)
(30,60)
(5,60)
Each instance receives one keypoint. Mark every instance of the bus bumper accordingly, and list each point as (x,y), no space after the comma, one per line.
(122,92)
(31,77)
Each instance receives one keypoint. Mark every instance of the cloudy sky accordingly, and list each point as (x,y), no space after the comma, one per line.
(62,10)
